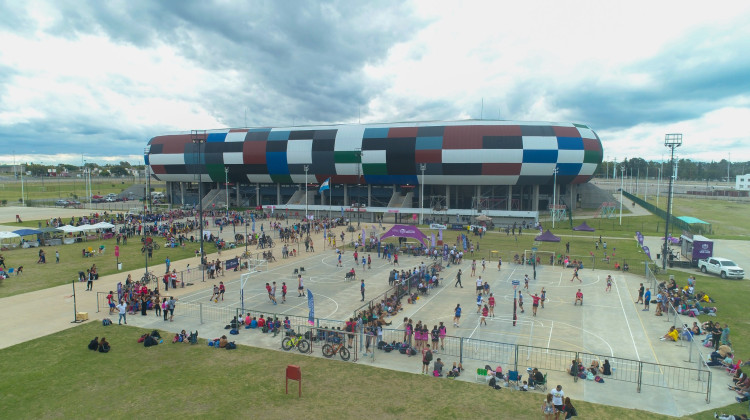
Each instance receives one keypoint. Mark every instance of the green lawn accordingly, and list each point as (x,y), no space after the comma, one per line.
(58,377)
(729,219)
(41,276)
(66,188)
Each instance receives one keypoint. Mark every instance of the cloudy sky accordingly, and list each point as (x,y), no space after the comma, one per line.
(98,79)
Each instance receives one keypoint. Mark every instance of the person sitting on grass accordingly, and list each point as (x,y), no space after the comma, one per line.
(103,346)
(94,344)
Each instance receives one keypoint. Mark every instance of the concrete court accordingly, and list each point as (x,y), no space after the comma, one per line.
(628,332)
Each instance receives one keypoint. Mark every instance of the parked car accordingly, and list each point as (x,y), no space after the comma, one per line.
(61,203)
(110,199)
(721,266)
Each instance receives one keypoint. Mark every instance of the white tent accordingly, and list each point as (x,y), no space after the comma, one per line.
(8,235)
(103,225)
(69,229)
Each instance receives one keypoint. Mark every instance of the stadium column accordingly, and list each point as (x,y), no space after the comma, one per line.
(535,203)
(278,194)
(257,195)
(510,198)
(237,200)
(182,193)
(346,195)
(447,197)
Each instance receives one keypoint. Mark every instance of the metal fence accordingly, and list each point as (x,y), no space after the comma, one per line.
(518,356)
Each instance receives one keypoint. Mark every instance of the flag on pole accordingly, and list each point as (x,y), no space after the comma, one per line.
(325,185)
(311,305)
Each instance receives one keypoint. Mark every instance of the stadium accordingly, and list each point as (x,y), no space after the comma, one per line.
(443,171)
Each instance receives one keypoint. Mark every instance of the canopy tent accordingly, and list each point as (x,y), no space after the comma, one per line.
(547,237)
(406,232)
(483,218)
(8,235)
(584,227)
(70,229)
(103,225)
(27,232)
(49,230)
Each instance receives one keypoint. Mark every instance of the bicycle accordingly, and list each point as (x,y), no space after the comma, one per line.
(331,350)
(149,277)
(295,341)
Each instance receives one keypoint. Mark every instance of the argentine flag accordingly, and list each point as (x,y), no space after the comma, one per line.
(324,186)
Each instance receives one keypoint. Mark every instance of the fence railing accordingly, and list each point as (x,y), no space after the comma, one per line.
(519,356)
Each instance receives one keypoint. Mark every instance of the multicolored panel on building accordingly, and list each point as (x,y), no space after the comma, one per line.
(453,153)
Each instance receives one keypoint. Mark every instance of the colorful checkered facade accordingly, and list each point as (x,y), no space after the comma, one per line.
(454,153)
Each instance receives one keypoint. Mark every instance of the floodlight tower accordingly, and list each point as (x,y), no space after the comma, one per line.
(672,141)
(199,139)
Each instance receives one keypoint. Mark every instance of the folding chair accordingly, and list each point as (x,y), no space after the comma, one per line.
(481,375)
(513,379)
(542,386)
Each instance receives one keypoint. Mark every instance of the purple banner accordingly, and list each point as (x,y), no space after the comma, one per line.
(647,251)
(702,250)
(433,240)
(640,238)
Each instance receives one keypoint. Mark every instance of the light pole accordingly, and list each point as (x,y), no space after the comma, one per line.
(226,185)
(307,167)
(672,141)
(622,185)
(200,140)
(23,200)
(422,167)
(554,196)
(359,164)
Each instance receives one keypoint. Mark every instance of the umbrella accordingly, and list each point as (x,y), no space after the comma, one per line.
(8,235)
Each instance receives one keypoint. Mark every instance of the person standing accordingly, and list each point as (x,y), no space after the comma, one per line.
(89,281)
(473,268)
(170,305)
(222,289)
(458,279)
(548,407)
(57,257)
(567,247)
(362,289)
(480,285)
(491,301)
(215,294)
(300,287)
(165,308)
(535,303)
(485,312)
(426,359)
(640,294)
(520,301)
(480,300)
(167,262)
(609,284)
(646,299)
(173,278)
(123,311)
(484,264)
(543,296)
(558,398)
(369,262)
(526,281)
(273,293)
(443,332)
(499,263)
(457,316)
(283,292)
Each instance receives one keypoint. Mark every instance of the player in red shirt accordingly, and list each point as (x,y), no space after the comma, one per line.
(579,297)
(283,292)
(535,303)
(491,301)
(485,311)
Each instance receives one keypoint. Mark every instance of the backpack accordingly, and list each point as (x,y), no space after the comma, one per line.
(234,332)
(428,356)
(149,341)
(142,338)
(106,321)
(231,346)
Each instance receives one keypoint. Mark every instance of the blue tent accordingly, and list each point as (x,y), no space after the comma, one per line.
(27,232)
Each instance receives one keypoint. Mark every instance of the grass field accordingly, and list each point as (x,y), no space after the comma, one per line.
(729,219)
(66,188)
(58,377)
(41,276)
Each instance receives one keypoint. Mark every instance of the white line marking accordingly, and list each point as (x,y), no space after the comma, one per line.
(637,356)
(550,335)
